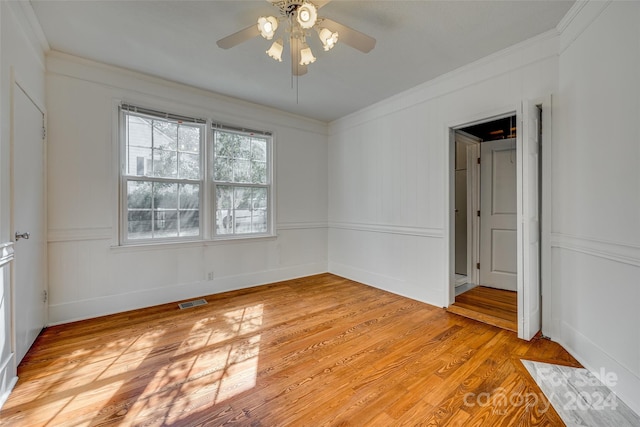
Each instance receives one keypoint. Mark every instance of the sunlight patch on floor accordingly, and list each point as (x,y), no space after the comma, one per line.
(196,379)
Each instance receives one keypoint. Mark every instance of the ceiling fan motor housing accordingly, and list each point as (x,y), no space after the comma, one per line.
(289,7)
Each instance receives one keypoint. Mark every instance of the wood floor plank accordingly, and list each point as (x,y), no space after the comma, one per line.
(493,306)
(319,350)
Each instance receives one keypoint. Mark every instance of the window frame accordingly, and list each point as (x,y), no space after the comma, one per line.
(268,136)
(207,186)
(129,110)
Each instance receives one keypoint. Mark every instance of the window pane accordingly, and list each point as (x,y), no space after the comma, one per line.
(139,222)
(165,212)
(242,211)
(189,222)
(139,210)
(139,132)
(189,138)
(138,149)
(189,196)
(240,158)
(224,213)
(259,161)
(165,223)
(259,210)
(258,172)
(138,195)
(224,196)
(139,161)
(241,170)
(165,135)
(244,148)
(223,170)
(189,209)
(259,200)
(189,166)
(165,195)
(165,163)
(259,149)
(226,144)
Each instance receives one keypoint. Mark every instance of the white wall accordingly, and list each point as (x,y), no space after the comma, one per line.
(596,193)
(388,185)
(88,274)
(22,54)
(388,169)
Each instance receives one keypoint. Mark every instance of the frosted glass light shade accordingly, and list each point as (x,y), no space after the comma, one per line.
(327,38)
(275,51)
(307,15)
(267,25)
(306,56)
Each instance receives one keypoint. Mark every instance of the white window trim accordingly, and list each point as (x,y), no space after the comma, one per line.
(269,186)
(207,211)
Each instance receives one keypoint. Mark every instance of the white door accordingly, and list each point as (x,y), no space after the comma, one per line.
(529,313)
(28,217)
(498,214)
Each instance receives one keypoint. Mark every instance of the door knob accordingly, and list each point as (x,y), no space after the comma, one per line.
(24,235)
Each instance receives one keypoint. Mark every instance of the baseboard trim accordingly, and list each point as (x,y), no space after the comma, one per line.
(95,307)
(594,358)
(4,396)
(385,283)
(6,367)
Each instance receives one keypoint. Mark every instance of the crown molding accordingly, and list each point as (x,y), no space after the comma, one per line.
(29,15)
(577,20)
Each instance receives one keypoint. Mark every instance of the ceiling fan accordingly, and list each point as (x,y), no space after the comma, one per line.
(301,17)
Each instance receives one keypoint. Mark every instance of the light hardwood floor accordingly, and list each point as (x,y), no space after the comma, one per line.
(320,350)
(496,307)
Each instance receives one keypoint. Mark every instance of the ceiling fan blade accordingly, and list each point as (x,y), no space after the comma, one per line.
(238,37)
(320,3)
(296,68)
(349,36)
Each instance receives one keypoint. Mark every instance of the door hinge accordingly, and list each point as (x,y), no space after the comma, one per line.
(45,296)
(44,132)
(478,160)
(478,265)
(478,212)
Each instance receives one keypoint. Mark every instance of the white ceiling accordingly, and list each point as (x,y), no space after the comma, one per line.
(176,40)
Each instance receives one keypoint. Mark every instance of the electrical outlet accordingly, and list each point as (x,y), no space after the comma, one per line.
(210,275)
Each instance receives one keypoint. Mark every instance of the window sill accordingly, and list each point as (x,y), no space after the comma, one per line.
(156,246)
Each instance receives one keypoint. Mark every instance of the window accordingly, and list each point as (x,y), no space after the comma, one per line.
(241,182)
(164,181)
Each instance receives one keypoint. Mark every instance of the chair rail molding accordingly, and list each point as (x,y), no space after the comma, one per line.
(614,251)
(389,229)
(6,253)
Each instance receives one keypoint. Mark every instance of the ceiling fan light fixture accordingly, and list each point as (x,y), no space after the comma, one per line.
(307,15)
(267,25)
(306,56)
(299,17)
(327,38)
(275,51)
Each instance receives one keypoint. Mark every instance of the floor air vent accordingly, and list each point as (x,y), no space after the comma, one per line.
(193,303)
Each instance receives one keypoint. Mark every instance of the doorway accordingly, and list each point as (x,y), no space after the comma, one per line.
(485,222)
(531,217)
